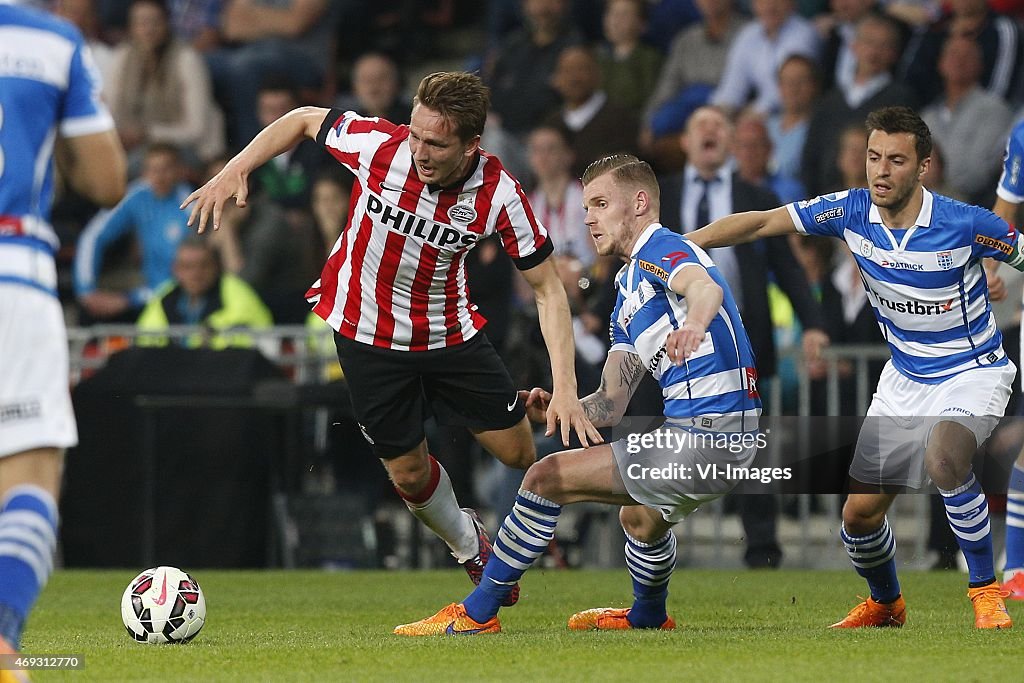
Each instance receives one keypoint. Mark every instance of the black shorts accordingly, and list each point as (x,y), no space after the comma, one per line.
(394,392)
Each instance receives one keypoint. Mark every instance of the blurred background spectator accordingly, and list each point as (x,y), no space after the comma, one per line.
(200,293)
(599,126)
(150,215)
(376,89)
(159,91)
(629,67)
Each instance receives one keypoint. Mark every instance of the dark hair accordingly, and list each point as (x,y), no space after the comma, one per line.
(625,168)
(557,127)
(903,120)
(812,67)
(461,99)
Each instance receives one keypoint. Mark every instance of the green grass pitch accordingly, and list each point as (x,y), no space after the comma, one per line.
(735,625)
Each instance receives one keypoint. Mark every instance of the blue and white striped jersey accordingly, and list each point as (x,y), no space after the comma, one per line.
(925,283)
(1011,183)
(716,388)
(48,84)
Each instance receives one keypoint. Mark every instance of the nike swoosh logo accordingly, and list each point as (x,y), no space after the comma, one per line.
(512,405)
(467,632)
(163,593)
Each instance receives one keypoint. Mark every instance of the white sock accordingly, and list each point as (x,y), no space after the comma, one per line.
(442,515)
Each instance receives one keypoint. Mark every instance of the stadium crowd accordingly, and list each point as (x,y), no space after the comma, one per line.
(737,104)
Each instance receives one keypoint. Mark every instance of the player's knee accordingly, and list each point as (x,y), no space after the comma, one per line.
(638,525)
(543,479)
(859,520)
(409,473)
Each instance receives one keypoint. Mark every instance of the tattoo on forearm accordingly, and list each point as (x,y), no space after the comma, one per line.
(598,408)
(631,370)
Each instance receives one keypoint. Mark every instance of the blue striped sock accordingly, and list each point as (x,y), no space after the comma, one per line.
(1015,521)
(650,567)
(874,557)
(522,538)
(967,512)
(28,525)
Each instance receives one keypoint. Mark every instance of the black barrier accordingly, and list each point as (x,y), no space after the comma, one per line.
(198,495)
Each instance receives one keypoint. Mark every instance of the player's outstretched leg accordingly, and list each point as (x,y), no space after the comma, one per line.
(1013,572)
(650,567)
(967,512)
(874,557)
(523,537)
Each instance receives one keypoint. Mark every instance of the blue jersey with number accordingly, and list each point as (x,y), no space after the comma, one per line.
(48,85)
(716,388)
(925,283)
(1011,183)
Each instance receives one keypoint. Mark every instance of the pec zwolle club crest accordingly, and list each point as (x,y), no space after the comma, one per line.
(866,248)
(945,259)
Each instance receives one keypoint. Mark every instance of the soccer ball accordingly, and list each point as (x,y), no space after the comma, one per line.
(163,605)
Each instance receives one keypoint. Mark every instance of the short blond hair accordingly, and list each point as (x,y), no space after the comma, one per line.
(627,169)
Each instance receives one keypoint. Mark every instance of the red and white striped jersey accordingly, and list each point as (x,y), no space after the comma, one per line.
(396,276)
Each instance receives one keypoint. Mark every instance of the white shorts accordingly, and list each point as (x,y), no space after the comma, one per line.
(687,472)
(35,405)
(891,445)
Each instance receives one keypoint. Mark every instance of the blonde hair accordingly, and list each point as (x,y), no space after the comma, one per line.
(628,169)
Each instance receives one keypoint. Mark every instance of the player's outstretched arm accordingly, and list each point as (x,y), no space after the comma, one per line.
(564,408)
(703,300)
(743,227)
(233,180)
(619,379)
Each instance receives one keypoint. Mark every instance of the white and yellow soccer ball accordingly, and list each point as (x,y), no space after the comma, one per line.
(163,605)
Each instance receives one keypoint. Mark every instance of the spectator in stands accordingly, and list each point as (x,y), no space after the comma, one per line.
(376,89)
(752,67)
(200,294)
(293,37)
(629,67)
(150,211)
(998,37)
(276,257)
(752,151)
(693,67)
(557,197)
(708,189)
(799,87)
(286,178)
(599,127)
(876,49)
(968,122)
(519,73)
(159,91)
(838,29)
